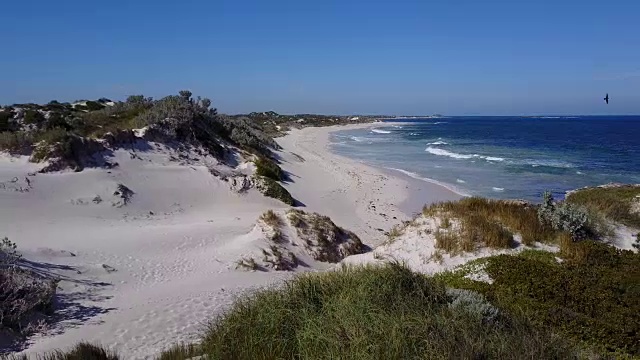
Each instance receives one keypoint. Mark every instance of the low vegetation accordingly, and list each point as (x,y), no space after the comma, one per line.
(591,296)
(271,188)
(487,222)
(323,239)
(268,168)
(370,313)
(618,203)
(565,217)
(24,295)
(271,218)
(48,129)
(82,351)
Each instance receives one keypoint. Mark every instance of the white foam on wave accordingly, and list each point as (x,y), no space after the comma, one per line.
(579,173)
(497,189)
(549,163)
(356,139)
(440,122)
(443,152)
(438,143)
(444,185)
(378,131)
(414,134)
(460,181)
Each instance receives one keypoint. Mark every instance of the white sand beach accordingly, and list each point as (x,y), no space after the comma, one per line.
(142,276)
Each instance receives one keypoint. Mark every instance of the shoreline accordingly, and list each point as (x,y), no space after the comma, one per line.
(399,192)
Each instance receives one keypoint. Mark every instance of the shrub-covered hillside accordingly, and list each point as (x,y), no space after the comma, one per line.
(26,127)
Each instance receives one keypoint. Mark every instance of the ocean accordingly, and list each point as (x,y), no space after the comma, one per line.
(502,157)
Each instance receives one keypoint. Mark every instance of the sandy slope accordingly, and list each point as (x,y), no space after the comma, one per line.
(142,276)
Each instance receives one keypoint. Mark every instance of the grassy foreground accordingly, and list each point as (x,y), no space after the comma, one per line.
(370,313)
(385,312)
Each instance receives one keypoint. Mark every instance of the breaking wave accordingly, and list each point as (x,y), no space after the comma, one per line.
(378,131)
(442,152)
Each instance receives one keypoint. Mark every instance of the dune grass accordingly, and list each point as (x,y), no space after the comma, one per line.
(366,313)
(490,223)
(615,203)
(82,351)
(271,218)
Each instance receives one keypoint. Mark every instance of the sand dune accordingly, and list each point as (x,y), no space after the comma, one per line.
(140,276)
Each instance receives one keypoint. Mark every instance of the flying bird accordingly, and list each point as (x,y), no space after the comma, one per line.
(607,98)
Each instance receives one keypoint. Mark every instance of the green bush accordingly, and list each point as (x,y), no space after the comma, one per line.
(5,117)
(33,117)
(592,297)
(369,313)
(93,105)
(565,217)
(271,188)
(268,168)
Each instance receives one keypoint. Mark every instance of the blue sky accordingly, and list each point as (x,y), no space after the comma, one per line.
(454,57)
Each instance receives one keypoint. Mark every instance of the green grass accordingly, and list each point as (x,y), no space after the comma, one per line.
(613,202)
(592,297)
(366,313)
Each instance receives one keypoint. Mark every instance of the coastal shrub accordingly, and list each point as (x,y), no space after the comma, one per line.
(5,119)
(271,188)
(23,293)
(473,303)
(617,203)
(591,297)
(385,312)
(56,120)
(248,135)
(564,217)
(15,142)
(93,105)
(268,168)
(33,117)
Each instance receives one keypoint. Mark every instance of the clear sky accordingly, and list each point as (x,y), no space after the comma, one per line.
(456,57)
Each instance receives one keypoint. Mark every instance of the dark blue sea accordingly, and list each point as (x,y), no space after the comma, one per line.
(503,157)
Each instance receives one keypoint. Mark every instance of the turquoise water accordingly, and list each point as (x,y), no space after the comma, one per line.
(503,157)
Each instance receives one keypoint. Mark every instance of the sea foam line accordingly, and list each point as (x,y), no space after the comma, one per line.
(443,152)
(432,181)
